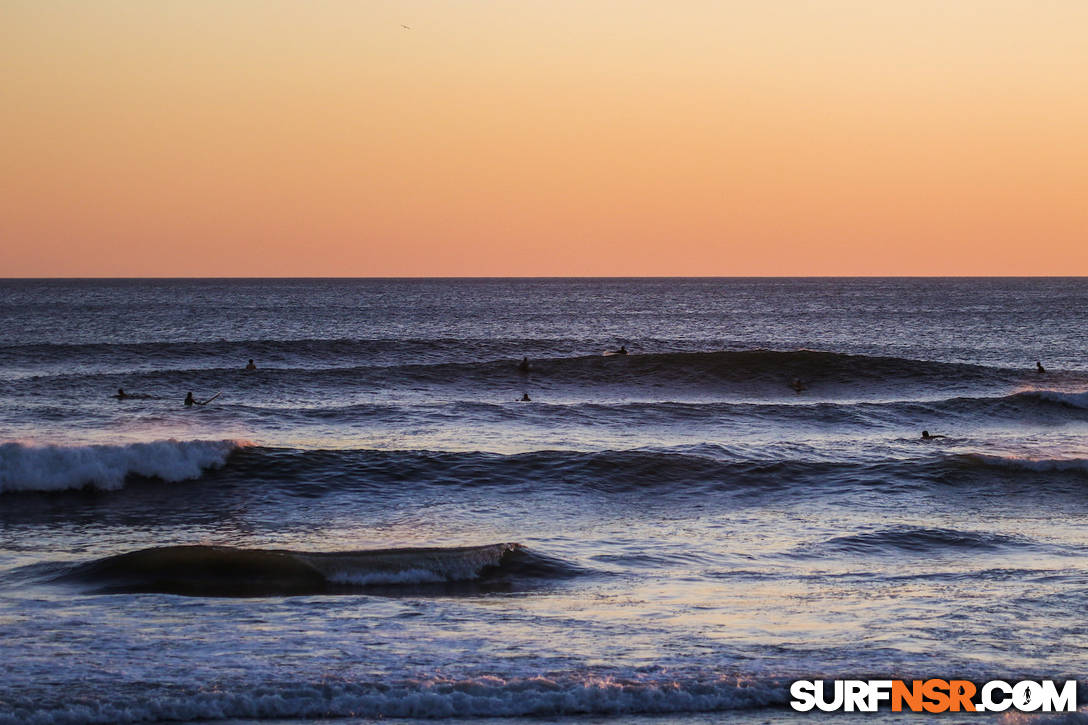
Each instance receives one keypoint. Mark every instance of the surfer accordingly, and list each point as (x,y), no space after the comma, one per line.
(251,366)
(621,351)
(191,401)
(797,385)
(524,366)
(927,437)
(1039,367)
(122,395)
(525,398)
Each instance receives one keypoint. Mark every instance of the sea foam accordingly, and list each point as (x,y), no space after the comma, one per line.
(26,467)
(479,697)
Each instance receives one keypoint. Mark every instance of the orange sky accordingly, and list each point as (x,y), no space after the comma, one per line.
(543,137)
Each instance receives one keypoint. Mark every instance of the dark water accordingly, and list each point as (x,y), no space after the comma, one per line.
(370,525)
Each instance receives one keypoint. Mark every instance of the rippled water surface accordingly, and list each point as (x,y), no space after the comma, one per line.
(371,525)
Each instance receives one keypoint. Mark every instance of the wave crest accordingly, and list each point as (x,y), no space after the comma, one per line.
(57,468)
(757,371)
(1041,465)
(226,571)
(901,539)
(1067,400)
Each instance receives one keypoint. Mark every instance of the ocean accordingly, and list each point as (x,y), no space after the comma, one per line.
(373,525)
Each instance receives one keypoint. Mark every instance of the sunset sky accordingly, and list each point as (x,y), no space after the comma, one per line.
(543,137)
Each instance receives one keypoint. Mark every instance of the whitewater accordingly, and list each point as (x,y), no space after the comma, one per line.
(372,525)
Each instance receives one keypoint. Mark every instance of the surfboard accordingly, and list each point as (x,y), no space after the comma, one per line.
(211,398)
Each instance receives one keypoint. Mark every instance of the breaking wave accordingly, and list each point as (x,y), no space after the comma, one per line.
(57,468)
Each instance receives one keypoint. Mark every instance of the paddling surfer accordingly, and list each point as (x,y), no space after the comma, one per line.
(122,395)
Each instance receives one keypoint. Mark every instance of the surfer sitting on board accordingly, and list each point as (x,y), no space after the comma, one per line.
(251,366)
(927,437)
(621,351)
(524,366)
(190,401)
(525,398)
(1039,367)
(121,395)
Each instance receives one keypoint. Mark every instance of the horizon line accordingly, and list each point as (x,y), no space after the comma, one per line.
(556,277)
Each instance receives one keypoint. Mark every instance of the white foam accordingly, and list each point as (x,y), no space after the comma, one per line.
(56,468)
(436,698)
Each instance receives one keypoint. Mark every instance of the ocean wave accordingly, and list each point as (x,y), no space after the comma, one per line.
(545,695)
(226,571)
(688,470)
(746,372)
(899,539)
(1020,405)
(685,471)
(1050,405)
(1064,399)
(1011,463)
(318,348)
(57,468)
(306,353)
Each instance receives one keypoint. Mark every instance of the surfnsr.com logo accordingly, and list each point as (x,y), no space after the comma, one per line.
(933,696)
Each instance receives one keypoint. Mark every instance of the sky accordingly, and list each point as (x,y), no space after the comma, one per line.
(238,138)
